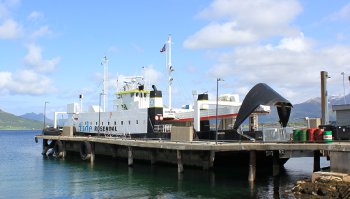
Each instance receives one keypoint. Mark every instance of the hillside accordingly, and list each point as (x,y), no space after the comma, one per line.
(37,117)
(9,121)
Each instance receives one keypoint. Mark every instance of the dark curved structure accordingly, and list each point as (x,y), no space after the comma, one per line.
(262,94)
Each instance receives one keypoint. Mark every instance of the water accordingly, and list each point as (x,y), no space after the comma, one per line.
(25,173)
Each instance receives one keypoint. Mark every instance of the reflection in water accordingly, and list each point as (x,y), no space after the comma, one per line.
(28,175)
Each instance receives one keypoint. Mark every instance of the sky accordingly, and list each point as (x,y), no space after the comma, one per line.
(51,51)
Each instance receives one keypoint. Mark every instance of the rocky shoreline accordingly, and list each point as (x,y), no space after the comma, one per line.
(323,186)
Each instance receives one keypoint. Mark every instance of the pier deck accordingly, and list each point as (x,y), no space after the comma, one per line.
(198,153)
(208,145)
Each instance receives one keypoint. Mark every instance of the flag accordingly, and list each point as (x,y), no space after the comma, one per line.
(163,49)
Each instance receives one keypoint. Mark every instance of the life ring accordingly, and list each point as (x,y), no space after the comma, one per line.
(58,149)
(85,150)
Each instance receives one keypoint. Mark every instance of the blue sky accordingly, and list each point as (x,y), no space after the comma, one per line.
(52,50)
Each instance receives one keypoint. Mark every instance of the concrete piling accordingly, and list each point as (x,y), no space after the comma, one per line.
(252,166)
(130,157)
(180,167)
(153,156)
(317,155)
(275,163)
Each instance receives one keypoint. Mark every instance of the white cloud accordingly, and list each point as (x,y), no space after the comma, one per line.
(5,78)
(35,15)
(294,71)
(217,35)
(151,76)
(235,22)
(10,29)
(343,13)
(35,61)
(297,44)
(5,5)
(25,82)
(42,31)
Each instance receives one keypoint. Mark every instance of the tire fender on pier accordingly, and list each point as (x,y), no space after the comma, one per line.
(85,150)
(58,149)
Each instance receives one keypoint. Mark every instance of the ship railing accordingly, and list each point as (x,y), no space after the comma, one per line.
(162,128)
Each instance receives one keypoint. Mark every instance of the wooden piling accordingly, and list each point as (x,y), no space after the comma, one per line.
(252,166)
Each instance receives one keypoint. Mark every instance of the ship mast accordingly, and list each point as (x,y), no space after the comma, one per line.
(105,83)
(170,69)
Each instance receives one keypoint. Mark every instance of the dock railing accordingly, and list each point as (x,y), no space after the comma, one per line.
(277,134)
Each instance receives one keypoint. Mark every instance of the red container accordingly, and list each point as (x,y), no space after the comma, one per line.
(311,134)
(319,134)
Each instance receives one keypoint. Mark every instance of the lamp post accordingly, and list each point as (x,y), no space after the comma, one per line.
(342,73)
(217,103)
(45,115)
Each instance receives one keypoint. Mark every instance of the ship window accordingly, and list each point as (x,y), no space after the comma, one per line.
(102,123)
(145,94)
(96,123)
(137,94)
(121,122)
(108,123)
(129,122)
(137,122)
(115,123)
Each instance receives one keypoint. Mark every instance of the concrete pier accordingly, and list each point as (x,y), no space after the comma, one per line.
(200,153)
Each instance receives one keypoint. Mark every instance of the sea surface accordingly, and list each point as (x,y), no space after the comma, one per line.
(25,173)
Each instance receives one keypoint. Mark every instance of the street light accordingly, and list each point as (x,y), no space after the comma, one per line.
(45,115)
(342,73)
(217,103)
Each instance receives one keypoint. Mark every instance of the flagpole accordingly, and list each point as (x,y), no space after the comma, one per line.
(170,68)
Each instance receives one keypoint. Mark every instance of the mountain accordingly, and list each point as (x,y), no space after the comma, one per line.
(310,108)
(9,121)
(36,116)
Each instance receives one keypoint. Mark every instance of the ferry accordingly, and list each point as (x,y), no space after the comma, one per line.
(139,112)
